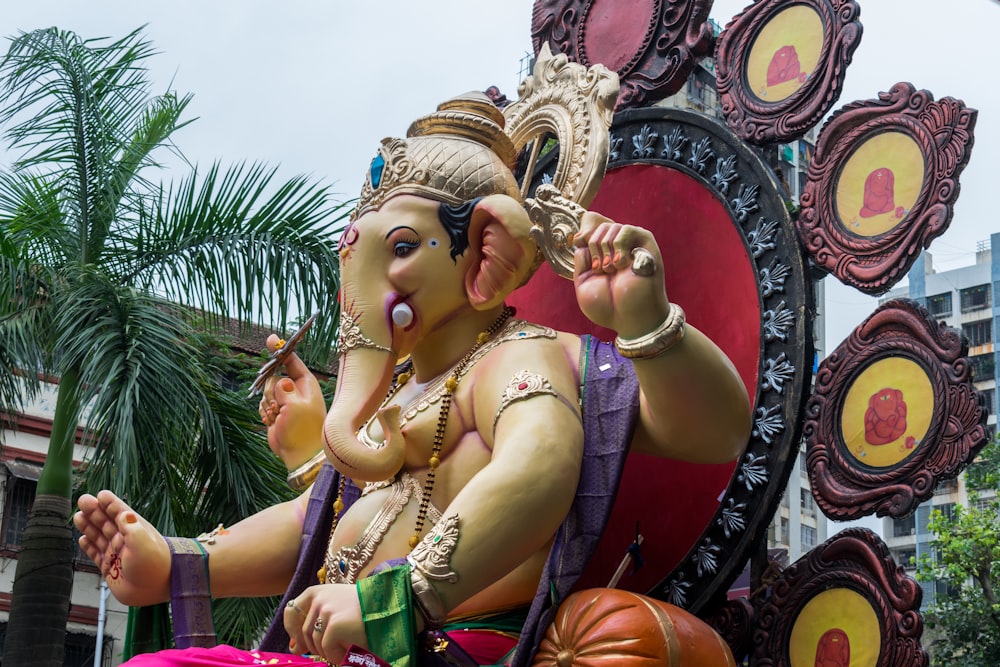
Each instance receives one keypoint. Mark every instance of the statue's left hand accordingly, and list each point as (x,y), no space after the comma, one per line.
(618,275)
(293,410)
(325,621)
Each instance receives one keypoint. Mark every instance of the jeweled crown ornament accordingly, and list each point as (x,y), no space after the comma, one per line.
(467,148)
(453,155)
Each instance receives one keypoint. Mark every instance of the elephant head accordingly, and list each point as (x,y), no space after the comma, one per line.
(440,233)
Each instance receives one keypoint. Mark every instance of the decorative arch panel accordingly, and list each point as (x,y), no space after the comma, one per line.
(652,44)
(882,184)
(844,603)
(780,65)
(893,413)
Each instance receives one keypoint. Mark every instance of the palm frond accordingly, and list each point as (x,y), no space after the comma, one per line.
(137,372)
(237,244)
(31,221)
(241,622)
(81,110)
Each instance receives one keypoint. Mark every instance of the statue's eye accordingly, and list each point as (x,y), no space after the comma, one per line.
(404,248)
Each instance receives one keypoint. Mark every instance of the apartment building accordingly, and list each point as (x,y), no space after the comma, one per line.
(962,298)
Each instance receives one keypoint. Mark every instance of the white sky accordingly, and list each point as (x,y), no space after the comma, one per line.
(314,85)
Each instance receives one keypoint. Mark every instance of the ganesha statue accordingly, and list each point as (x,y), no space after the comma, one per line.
(460,479)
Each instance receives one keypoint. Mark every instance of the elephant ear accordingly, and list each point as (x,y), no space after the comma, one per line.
(500,231)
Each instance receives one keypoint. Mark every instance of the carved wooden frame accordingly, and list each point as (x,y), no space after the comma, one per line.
(708,151)
(858,560)
(942,130)
(676,36)
(759,121)
(845,488)
(734,620)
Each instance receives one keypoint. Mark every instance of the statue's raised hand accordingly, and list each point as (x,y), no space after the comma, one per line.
(293,410)
(131,553)
(618,275)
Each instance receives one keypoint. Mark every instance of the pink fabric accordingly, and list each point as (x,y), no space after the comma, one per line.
(218,656)
(486,647)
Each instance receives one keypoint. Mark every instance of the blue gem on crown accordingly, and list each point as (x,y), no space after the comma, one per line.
(377,166)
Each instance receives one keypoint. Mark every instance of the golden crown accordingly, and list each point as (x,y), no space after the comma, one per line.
(466,149)
(453,155)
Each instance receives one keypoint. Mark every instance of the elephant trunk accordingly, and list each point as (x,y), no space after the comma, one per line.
(364,379)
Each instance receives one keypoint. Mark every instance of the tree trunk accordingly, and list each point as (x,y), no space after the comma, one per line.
(43,582)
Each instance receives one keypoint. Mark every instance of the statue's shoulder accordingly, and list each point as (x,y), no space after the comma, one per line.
(527,344)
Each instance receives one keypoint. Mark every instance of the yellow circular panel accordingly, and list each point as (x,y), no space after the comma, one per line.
(785,53)
(887,412)
(879,184)
(837,628)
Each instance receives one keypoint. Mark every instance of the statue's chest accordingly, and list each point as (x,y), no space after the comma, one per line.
(431,419)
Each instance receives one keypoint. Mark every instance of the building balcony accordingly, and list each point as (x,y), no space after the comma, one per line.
(980,349)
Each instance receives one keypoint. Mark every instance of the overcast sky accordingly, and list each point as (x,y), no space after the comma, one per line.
(314,85)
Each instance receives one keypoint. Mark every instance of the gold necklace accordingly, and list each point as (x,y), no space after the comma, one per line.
(450,385)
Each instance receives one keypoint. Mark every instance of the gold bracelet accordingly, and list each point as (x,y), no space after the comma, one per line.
(427,600)
(300,478)
(656,342)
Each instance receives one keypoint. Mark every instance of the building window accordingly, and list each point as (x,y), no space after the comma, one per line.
(80,648)
(904,527)
(990,398)
(20,496)
(939,305)
(983,504)
(978,333)
(983,366)
(784,531)
(947,486)
(905,557)
(975,298)
(808,535)
(808,505)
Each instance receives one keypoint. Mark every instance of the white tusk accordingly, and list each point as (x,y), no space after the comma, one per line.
(402,315)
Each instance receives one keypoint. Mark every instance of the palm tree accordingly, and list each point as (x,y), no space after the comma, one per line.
(92,252)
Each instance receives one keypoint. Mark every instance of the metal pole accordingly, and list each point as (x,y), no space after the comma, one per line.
(102,615)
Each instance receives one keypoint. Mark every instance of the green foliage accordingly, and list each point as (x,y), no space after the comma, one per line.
(96,255)
(965,622)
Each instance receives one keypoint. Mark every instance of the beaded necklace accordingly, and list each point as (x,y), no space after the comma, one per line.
(450,385)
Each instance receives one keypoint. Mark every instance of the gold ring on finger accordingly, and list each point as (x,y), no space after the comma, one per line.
(318,625)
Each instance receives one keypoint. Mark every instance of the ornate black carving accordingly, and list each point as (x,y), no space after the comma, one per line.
(751,115)
(735,175)
(873,260)
(738,180)
(913,457)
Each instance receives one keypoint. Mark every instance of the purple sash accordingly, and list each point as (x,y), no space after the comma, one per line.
(190,600)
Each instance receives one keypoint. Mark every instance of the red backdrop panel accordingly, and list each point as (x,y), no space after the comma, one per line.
(709,273)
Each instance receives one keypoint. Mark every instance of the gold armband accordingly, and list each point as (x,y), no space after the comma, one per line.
(431,559)
(300,478)
(656,342)
(526,384)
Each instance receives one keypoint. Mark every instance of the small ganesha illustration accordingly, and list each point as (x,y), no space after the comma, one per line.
(885,418)
(784,67)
